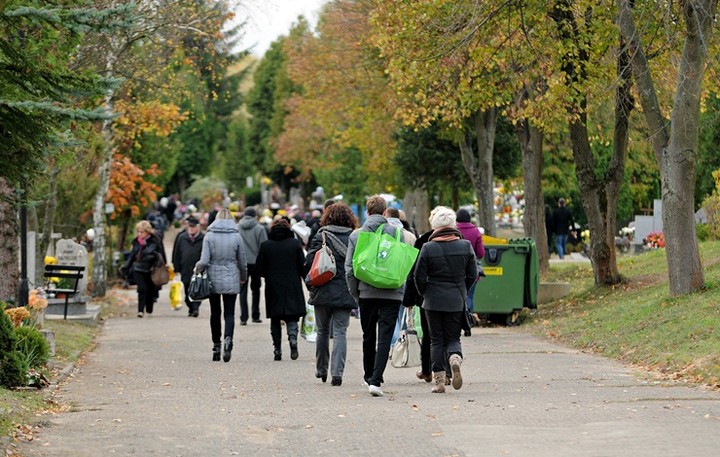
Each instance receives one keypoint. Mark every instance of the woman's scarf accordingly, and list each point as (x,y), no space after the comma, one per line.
(445,234)
(142,240)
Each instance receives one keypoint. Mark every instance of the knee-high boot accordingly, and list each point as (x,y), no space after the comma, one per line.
(292,330)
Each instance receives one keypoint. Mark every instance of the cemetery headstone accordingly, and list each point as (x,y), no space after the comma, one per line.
(68,252)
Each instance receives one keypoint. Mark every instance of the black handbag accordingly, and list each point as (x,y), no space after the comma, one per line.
(200,287)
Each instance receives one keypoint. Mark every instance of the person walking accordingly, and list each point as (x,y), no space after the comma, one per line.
(186,253)
(411,298)
(147,251)
(223,256)
(470,232)
(444,271)
(378,307)
(562,224)
(281,262)
(332,301)
(253,235)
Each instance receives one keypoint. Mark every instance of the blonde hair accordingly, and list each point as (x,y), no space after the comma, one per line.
(225,214)
(145,226)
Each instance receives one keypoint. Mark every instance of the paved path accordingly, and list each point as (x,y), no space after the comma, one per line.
(150,388)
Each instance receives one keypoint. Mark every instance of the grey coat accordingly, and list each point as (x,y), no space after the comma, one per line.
(253,234)
(357,288)
(223,255)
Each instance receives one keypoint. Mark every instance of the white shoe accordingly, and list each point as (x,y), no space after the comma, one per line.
(375,391)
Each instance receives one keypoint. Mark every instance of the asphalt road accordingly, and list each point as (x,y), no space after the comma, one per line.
(150,388)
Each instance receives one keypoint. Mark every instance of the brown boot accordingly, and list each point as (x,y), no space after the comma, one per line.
(423,376)
(455,362)
(439,377)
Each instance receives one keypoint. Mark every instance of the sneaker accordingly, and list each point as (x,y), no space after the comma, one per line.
(243,322)
(424,377)
(375,391)
(141,314)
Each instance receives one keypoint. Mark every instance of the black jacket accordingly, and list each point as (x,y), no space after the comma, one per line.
(281,262)
(186,254)
(143,258)
(562,220)
(445,270)
(335,293)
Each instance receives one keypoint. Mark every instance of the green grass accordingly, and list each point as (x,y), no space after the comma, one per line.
(20,407)
(638,322)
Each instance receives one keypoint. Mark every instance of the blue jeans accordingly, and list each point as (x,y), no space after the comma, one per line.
(338,319)
(560,242)
(377,319)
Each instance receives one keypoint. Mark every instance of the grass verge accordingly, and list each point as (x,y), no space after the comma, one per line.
(19,408)
(638,322)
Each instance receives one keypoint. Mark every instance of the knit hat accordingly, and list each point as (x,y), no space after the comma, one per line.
(442,217)
(463,215)
(250,211)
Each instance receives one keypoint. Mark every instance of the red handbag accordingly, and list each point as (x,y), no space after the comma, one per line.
(323,268)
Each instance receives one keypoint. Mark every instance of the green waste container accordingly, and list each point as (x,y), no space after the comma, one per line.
(512,276)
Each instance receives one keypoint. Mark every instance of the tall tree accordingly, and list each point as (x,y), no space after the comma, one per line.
(676,144)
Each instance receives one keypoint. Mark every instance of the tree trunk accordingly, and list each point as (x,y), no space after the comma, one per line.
(478,164)
(10,250)
(679,158)
(531,141)
(676,150)
(594,194)
(45,238)
(99,274)
(417,210)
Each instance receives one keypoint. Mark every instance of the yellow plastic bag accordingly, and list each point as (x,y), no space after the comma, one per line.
(176,294)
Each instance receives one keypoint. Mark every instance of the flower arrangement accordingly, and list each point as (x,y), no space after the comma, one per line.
(37,300)
(655,240)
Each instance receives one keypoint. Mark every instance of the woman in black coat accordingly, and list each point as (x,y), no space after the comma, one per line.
(444,272)
(332,301)
(147,250)
(281,262)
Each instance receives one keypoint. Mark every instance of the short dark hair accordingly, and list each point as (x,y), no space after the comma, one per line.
(392,212)
(376,205)
(561,202)
(338,214)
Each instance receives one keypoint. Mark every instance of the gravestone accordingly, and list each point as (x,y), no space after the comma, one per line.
(644,225)
(68,252)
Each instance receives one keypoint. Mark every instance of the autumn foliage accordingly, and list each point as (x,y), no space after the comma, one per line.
(129,190)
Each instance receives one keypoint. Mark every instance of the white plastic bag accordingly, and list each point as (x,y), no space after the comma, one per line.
(308,329)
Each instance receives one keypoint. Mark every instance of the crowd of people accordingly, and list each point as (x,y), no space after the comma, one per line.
(279,249)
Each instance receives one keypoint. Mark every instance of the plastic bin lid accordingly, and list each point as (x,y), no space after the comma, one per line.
(492,240)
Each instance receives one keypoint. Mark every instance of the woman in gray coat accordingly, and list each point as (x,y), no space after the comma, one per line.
(223,255)
(444,272)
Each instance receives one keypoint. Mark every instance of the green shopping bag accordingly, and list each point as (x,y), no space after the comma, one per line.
(381,260)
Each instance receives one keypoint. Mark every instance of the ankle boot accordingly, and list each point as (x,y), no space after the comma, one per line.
(278,354)
(227,347)
(216,352)
(439,377)
(455,362)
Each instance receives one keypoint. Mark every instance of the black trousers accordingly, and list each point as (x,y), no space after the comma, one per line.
(228,313)
(377,319)
(146,291)
(254,282)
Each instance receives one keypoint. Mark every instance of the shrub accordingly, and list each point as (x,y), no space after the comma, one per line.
(702,231)
(33,346)
(13,370)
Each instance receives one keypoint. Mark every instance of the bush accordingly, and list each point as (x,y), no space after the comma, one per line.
(33,346)
(13,370)
(702,231)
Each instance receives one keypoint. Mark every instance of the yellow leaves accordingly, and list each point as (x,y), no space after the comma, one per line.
(151,117)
